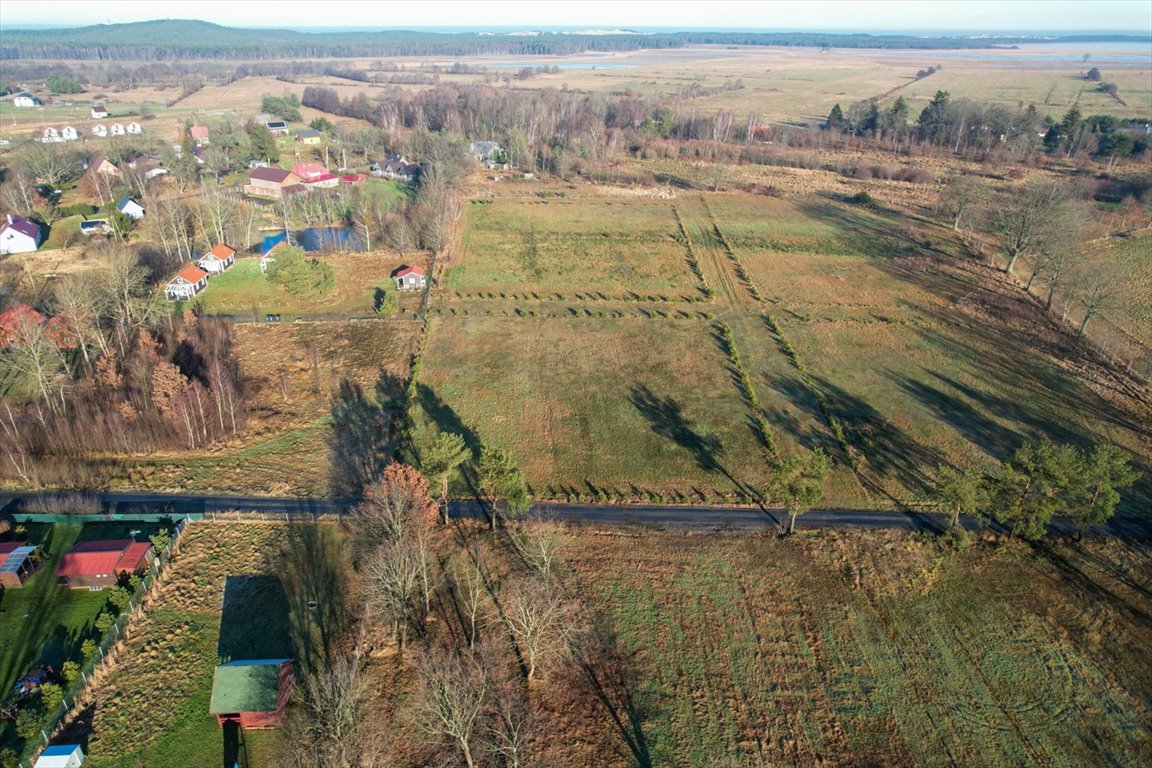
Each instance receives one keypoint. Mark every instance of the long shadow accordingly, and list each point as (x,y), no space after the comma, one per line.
(316,589)
(666,418)
(362,439)
(254,619)
(448,421)
(610,673)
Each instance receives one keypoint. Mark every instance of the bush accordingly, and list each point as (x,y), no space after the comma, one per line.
(862,198)
(301,275)
(28,723)
(89,648)
(51,696)
(70,672)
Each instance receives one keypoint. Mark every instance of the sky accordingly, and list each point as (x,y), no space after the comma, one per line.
(843,15)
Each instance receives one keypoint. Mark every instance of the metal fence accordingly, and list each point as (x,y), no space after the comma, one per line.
(113,636)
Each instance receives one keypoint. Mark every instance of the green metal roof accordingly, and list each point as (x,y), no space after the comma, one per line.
(246,686)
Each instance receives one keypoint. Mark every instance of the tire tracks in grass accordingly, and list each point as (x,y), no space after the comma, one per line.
(728,290)
(737,265)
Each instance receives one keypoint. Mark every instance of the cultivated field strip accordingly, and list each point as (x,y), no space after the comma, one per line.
(763,653)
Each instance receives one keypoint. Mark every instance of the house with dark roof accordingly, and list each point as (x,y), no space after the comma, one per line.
(99,112)
(95,227)
(103,563)
(308,136)
(130,207)
(217,260)
(25,99)
(19,235)
(409,278)
(272,182)
(251,694)
(188,282)
(278,127)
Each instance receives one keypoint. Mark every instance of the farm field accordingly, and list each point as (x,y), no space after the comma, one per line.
(246,293)
(626,405)
(864,315)
(44,623)
(873,649)
(550,246)
(155,697)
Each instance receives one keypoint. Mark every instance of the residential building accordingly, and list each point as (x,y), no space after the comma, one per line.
(95,227)
(217,260)
(25,99)
(272,182)
(130,207)
(199,135)
(188,282)
(61,756)
(100,130)
(409,278)
(309,136)
(99,112)
(19,235)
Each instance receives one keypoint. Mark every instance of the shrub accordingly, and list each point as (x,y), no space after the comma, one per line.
(862,198)
(302,276)
(89,648)
(70,672)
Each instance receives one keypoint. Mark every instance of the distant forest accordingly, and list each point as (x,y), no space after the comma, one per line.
(172,40)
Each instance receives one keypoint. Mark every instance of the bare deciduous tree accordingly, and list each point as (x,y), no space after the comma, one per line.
(330,732)
(397,587)
(394,506)
(537,617)
(450,703)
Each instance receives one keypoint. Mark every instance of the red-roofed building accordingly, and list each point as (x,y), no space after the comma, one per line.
(315,175)
(23,319)
(103,563)
(187,283)
(409,279)
(217,260)
(199,134)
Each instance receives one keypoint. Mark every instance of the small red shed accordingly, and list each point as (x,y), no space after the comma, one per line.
(101,563)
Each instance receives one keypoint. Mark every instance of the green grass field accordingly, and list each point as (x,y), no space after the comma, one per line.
(624,405)
(548,246)
(919,356)
(156,701)
(243,291)
(869,649)
(45,623)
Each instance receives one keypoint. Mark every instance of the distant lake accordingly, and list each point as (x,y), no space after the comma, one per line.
(327,239)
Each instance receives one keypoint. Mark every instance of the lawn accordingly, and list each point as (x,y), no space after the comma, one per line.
(244,292)
(872,649)
(561,246)
(153,707)
(624,405)
(45,623)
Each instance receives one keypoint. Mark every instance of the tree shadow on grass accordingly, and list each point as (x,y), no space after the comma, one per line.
(315,584)
(666,418)
(362,440)
(446,420)
(254,620)
(611,675)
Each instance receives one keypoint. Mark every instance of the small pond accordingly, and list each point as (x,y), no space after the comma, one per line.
(328,239)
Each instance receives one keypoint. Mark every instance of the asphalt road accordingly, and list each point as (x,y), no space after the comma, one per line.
(683,517)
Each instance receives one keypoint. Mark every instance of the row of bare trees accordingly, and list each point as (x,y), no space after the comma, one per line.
(112,371)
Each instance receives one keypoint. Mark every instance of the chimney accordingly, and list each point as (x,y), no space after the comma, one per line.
(9,218)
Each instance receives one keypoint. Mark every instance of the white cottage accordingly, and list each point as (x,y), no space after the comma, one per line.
(187,283)
(217,260)
(409,279)
(18,235)
(131,208)
(25,99)
(116,130)
(100,130)
(133,128)
(68,133)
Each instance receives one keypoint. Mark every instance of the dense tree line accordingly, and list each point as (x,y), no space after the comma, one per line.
(115,372)
(180,40)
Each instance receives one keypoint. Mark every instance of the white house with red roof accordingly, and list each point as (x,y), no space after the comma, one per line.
(409,279)
(315,175)
(187,283)
(217,260)
(18,235)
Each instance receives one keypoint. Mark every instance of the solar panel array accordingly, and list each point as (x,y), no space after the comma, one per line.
(16,559)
